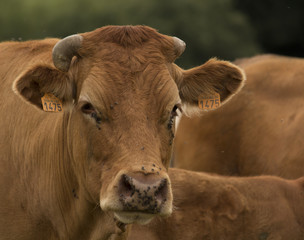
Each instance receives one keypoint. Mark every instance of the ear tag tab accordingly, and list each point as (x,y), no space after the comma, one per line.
(51,103)
(208,102)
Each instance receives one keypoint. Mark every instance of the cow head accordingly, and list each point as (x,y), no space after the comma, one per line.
(121,92)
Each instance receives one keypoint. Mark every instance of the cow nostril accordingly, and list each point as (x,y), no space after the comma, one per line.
(126,186)
(162,191)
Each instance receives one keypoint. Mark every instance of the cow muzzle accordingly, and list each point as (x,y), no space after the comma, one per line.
(140,194)
(139,197)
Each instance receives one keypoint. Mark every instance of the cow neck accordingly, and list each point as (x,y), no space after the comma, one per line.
(52,192)
(74,209)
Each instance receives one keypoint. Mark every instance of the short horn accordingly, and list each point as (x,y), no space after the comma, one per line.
(179,45)
(64,50)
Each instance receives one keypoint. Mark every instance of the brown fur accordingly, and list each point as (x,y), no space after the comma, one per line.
(260,130)
(57,168)
(210,207)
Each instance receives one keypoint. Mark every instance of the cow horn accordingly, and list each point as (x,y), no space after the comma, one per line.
(179,45)
(64,50)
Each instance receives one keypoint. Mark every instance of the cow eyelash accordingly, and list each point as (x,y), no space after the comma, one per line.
(90,110)
(174,114)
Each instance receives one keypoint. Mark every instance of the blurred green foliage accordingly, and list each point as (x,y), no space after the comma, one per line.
(211,28)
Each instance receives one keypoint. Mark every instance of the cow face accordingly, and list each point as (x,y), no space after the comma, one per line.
(121,94)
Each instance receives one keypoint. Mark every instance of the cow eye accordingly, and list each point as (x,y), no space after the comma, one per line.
(88,108)
(174,113)
(174,110)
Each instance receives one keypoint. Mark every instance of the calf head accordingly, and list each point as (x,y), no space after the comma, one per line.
(121,92)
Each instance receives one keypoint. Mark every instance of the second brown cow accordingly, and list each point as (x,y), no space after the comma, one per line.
(211,207)
(259,132)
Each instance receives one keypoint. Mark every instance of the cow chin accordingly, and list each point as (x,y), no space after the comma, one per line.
(134,217)
(140,216)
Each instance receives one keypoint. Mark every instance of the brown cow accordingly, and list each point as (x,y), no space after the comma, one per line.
(210,207)
(260,130)
(117,92)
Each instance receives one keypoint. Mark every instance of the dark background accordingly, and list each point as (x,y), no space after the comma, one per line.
(227,29)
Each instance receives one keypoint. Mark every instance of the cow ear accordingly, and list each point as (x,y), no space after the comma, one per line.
(230,203)
(214,78)
(44,79)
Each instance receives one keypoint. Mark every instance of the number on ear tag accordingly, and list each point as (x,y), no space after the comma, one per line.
(51,103)
(208,102)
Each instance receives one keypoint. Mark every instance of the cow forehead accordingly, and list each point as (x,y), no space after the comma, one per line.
(127,63)
(151,87)
(117,59)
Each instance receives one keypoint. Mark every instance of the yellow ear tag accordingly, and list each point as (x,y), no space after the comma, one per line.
(51,103)
(208,102)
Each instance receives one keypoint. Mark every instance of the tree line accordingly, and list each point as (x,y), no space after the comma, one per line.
(227,29)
